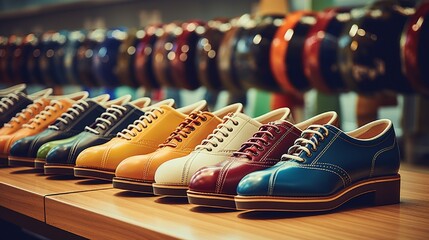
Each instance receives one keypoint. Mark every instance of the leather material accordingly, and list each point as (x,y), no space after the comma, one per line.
(261,151)
(28,147)
(24,116)
(15,103)
(340,160)
(37,124)
(68,153)
(238,127)
(186,137)
(160,122)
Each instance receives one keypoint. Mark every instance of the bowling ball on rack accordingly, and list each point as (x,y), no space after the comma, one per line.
(415,49)
(369,48)
(286,52)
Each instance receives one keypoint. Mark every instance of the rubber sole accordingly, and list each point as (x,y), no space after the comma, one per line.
(39,163)
(170,190)
(130,185)
(211,200)
(57,169)
(384,191)
(93,173)
(20,161)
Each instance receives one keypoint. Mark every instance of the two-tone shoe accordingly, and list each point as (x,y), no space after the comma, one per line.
(137,173)
(215,186)
(141,137)
(53,107)
(326,168)
(75,127)
(172,177)
(14,103)
(61,159)
(71,122)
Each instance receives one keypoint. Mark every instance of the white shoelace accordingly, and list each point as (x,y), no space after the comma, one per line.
(219,134)
(41,117)
(308,137)
(142,122)
(68,115)
(7,101)
(102,122)
(21,115)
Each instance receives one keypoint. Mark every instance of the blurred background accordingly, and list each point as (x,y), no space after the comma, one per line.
(360,66)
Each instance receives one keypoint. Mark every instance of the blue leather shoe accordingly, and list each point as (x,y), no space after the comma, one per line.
(84,112)
(326,168)
(61,159)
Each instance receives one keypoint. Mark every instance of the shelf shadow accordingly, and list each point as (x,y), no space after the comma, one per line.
(172,200)
(202,209)
(60,177)
(84,181)
(130,194)
(28,171)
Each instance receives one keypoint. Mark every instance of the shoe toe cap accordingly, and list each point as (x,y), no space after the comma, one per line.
(205,180)
(172,172)
(255,183)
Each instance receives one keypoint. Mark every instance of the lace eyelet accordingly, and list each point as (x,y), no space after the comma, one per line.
(198,124)
(277,131)
(230,129)
(215,145)
(226,135)
(271,138)
(220,140)
(261,149)
(204,119)
(235,123)
(210,150)
(266,144)
(309,155)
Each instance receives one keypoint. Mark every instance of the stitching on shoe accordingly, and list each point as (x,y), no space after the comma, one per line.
(378,154)
(325,149)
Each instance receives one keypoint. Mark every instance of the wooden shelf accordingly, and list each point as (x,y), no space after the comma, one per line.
(24,190)
(122,215)
(98,211)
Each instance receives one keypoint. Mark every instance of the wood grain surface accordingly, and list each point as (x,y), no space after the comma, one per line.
(23,189)
(113,214)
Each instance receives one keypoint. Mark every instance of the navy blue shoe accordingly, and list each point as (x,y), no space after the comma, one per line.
(326,168)
(84,112)
(61,159)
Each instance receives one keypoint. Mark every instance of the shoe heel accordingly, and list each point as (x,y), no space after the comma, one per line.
(387,192)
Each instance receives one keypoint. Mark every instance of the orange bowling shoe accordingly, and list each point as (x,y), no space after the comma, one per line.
(57,105)
(141,137)
(137,173)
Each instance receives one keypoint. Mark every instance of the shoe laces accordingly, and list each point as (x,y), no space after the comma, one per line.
(43,115)
(184,129)
(105,119)
(71,114)
(7,101)
(308,142)
(257,142)
(140,124)
(31,109)
(219,134)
